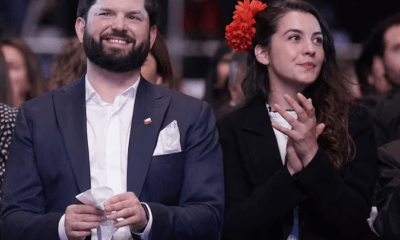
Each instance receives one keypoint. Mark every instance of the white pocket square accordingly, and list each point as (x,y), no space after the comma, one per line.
(169,140)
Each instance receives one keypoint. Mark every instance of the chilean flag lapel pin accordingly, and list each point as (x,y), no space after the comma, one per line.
(147,121)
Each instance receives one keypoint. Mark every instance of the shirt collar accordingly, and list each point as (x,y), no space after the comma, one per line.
(92,95)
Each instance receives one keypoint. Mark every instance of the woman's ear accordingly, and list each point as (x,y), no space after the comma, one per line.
(261,54)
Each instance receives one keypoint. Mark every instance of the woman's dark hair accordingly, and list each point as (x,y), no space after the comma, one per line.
(69,65)
(149,5)
(331,98)
(5,88)
(32,64)
(164,67)
(211,94)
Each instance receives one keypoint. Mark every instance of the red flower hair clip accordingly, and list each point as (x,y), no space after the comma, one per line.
(240,32)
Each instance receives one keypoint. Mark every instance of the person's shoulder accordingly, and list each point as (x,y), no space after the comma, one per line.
(39,107)
(180,99)
(360,120)
(390,153)
(8,114)
(6,109)
(234,117)
(388,103)
(359,113)
(392,147)
(48,98)
(387,111)
(251,108)
(41,100)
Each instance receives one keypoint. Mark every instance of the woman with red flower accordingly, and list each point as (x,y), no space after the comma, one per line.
(300,157)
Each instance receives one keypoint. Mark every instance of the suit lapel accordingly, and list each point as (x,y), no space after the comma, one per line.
(148,104)
(260,141)
(70,107)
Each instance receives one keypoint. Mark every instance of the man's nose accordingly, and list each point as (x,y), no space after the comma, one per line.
(119,23)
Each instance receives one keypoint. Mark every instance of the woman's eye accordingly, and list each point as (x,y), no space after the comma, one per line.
(318,40)
(295,38)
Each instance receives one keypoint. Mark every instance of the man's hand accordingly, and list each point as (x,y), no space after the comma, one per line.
(80,219)
(128,207)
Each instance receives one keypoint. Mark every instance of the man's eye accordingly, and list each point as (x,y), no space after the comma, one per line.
(134,18)
(105,14)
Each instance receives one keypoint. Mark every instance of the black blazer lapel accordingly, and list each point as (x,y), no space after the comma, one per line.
(70,107)
(143,139)
(260,141)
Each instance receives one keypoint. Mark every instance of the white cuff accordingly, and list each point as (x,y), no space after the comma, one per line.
(145,234)
(61,228)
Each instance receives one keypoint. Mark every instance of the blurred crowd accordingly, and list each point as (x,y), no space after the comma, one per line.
(367,70)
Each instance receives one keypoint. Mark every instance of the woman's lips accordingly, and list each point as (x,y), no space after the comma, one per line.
(308,65)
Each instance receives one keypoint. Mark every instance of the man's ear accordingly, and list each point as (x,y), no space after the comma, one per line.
(153,35)
(80,28)
(261,54)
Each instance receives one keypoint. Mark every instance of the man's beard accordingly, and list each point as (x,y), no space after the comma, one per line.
(116,60)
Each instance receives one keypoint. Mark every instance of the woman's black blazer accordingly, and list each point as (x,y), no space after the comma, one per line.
(261,194)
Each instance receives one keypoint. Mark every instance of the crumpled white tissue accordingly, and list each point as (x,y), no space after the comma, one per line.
(96,197)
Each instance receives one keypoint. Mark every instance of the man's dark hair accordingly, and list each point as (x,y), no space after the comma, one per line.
(149,5)
(380,31)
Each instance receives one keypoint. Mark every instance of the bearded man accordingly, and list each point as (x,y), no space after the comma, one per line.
(155,150)
(387,111)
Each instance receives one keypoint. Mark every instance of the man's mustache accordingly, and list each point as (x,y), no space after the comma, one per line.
(122,35)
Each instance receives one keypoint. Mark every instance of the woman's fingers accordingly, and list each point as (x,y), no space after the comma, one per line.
(289,118)
(304,130)
(301,114)
(281,129)
(307,105)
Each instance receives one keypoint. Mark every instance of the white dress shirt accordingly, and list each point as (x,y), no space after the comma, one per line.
(108,131)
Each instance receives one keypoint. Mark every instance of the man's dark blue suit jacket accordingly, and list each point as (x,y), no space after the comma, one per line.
(49,165)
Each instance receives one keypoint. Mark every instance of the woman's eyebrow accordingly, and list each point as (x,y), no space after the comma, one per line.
(293,30)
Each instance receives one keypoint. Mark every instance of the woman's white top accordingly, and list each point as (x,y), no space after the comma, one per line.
(281,137)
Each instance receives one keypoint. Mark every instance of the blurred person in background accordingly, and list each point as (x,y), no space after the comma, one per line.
(24,70)
(217,76)
(370,68)
(69,65)
(157,68)
(387,111)
(388,193)
(387,123)
(7,116)
(5,86)
(237,72)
